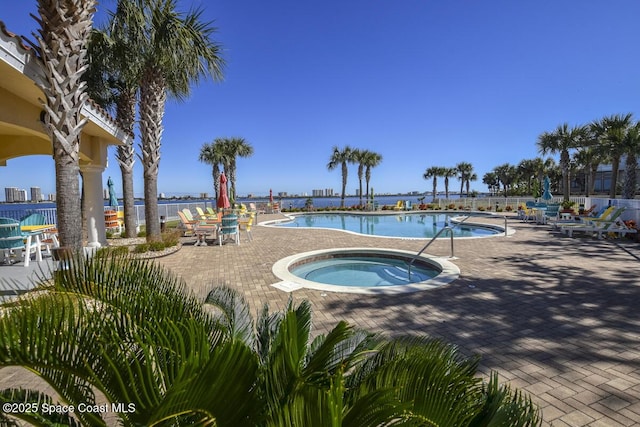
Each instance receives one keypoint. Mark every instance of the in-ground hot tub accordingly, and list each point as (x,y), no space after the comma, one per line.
(365,270)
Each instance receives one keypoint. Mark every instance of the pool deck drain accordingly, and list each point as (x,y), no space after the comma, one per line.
(555,316)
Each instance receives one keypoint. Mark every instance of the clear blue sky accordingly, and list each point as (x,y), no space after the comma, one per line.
(423,83)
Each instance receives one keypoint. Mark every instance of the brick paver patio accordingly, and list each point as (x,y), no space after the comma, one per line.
(555,316)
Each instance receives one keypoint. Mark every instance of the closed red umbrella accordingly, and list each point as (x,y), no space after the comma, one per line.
(271,196)
(223,198)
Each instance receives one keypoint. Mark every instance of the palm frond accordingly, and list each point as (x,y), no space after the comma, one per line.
(234,314)
(426,373)
(55,337)
(502,407)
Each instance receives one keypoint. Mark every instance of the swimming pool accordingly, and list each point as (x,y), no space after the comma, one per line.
(417,225)
(364,270)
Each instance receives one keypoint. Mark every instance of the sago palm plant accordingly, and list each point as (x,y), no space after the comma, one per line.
(111,329)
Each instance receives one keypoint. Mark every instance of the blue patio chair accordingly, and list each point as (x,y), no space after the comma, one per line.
(35,218)
(13,240)
(229,229)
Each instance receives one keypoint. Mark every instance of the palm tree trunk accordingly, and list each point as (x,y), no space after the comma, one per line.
(564,164)
(615,167)
(360,172)
(68,202)
(232,182)
(630,180)
(152,104)
(63,38)
(216,180)
(128,199)
(435,186)
(126,109)
(344,183)
(592,178)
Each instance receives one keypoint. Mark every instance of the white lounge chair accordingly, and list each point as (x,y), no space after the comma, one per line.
(612,224)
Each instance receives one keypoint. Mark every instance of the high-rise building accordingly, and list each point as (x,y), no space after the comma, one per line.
(36,194)
(14,194)
(10,194)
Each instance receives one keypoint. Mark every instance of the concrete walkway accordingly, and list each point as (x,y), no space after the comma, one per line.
(555,316)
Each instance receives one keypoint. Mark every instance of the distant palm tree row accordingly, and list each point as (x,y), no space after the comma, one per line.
(365,159)
(463,171)
(223,152)
(582,149)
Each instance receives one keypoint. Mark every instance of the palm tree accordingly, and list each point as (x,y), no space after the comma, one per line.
(611,131)
(177,52)
(341,157)
(63,37)
(472,177)
(371,160)
(433,172)
(589,157)
(506,174)
(230,149)
(212,154)
(491,180)
(113,77)
(359,157)
(448,173)
(465,171)
(527,169)
(561,140)
(178,360)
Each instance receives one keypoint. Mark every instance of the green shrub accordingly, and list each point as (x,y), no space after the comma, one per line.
(157,246)
(141,248)
(112,250)
(171,238)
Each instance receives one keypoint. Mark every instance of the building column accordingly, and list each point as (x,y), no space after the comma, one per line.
(94,205)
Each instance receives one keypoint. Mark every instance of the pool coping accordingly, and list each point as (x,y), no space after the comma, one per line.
(289,282)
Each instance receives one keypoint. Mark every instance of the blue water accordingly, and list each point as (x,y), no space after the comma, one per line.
(363,272)
(294,202)
(412,225)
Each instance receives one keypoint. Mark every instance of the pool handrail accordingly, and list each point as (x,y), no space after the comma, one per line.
(442,230)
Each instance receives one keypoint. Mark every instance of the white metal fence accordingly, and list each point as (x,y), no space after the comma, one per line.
(170,210)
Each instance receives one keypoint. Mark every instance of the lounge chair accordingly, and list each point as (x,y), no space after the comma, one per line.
(229,228)
(610,224)
(187,227)
(203,216)
(583,220)
(187,213)
(12,239)
(399,206)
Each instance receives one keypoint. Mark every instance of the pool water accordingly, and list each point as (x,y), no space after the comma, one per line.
(363,271)
(409,225)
